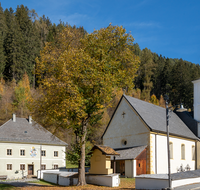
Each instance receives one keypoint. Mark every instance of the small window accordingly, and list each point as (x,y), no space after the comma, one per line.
(193,152)
(43,153)
(55,166)
(9,151)
(55,153)
(43,167)
(9,166)
(22,152)
(124,142)
(171,150)
(183,152)
(22,166)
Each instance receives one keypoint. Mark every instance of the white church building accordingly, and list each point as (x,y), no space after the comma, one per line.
(137,130)
(26,147)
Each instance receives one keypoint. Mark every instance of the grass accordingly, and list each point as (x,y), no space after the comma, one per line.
(69,165)
(42,182)
(8,187)
(125,184)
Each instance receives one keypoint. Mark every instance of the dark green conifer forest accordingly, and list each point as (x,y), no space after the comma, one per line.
(23,34)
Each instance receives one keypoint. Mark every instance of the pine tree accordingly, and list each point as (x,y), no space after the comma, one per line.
(3,30)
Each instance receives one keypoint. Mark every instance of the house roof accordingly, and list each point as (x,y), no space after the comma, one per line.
(129,153)
(155,118)
(187,118)
(105,150)
(24,132)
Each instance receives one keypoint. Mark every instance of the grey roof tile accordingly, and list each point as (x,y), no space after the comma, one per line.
(24,132)
(155,118)
(128,153)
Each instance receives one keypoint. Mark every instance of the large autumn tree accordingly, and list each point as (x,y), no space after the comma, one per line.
(77,75)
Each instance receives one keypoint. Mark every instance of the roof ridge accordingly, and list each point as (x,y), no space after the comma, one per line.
(144,101)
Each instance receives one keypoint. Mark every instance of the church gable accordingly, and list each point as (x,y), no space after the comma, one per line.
(126,129)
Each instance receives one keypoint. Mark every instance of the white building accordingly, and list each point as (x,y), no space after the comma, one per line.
(137,130)
(25,146)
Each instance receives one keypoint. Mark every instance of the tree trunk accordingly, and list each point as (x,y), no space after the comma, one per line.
(81,169)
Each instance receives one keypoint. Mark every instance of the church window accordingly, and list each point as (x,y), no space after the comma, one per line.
(171,150)
(193,152)
(183,152)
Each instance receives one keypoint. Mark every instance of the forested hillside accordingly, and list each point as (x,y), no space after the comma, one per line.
(23,35)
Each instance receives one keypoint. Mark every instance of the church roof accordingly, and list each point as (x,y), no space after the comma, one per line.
(129,153)
(105,150)
(155,118)
(21,131)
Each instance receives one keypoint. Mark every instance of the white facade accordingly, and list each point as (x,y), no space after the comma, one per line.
(127,125)
(124,128)
(197,100)
(159,152)
(10,164)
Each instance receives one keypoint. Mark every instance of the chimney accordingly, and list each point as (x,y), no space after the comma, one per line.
(30,119)
(14,117)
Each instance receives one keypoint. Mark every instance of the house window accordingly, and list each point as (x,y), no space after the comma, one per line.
(171,150)
(9,166)
(193,152)
(22,166)
(183,152)
(43,167)
(55,153)
(22,152)
(43,153)
(55,166)
(9,151)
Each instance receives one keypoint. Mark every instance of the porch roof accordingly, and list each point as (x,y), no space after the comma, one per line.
(129,153)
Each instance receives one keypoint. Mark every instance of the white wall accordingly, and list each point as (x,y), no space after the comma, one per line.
(126,128)
(129,168)
(15,159)
(162,159)
(156,183)
(197,99)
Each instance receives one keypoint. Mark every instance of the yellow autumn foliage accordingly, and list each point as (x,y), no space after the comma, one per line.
(77,77)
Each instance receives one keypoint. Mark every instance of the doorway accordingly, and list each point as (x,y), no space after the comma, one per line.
(30,169)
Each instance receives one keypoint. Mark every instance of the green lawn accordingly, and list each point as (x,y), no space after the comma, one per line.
(69,165)
(42,182)
(8,187)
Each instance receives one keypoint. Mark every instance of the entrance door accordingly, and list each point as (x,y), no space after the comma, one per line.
(122,167)
(30,169)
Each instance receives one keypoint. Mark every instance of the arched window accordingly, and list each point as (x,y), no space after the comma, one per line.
(183,152)
(171,150)
(193,152)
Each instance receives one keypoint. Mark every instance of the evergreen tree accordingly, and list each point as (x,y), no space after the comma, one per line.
(3,30)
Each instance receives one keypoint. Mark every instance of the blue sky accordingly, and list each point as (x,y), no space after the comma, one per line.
(167,27)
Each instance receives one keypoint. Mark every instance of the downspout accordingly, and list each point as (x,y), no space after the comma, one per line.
(196,142)
(40,162)
(155,153)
